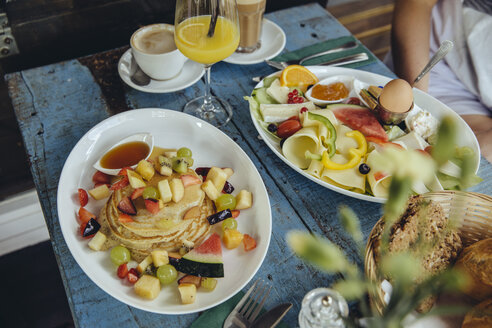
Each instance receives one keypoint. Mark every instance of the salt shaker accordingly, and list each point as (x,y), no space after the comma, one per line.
(323,308)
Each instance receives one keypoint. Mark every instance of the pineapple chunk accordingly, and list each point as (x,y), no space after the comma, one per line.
(218,177)
(228,171)
(159,257)
(232,238)
(164,166)
(210,190)
(135,179)
(148,287)
(145,169)
(244,200)
(100,192)
(97,241)
(165,191)
(188,293)
(144,264)
(177,189)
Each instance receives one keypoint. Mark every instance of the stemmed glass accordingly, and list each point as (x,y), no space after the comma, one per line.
(207,31)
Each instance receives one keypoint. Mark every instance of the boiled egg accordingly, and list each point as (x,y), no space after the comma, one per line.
(396,96)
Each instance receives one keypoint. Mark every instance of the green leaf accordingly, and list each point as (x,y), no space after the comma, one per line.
(318,251)
(403,268)
(443,150)
(351,289)
(350,223)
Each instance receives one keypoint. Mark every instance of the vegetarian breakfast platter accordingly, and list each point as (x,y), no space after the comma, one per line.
(159,216)
(333,132)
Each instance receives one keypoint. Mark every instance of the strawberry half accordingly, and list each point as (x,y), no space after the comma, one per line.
(83,197)
(124,218)
(85,215)
(235,213)
(152,205)
(132,275)
(123,182)
(189,180)
(126,206)
(100,177)
(248,242)
(122,271)
(123,171)
(137,193)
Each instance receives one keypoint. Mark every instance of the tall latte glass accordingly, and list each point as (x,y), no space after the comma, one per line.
(250,22)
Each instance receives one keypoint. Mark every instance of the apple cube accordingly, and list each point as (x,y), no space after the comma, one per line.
(210,190)
(165,191)
(100,192)
(97,241)
(177,189)
(218,177)
(147,287)
(135,179)
(244,200)
(145,169)
(228,171)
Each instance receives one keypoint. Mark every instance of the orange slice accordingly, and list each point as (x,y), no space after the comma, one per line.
(191,33)
(297,76)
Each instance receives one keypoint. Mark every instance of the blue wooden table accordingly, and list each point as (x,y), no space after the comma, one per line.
(57,104)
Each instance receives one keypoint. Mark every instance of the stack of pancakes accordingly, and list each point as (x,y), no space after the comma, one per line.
(144,235)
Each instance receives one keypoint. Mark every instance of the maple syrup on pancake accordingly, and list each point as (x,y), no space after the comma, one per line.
(127,154)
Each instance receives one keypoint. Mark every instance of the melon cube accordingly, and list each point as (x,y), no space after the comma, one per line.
(100,192)
(145,169)
(135,179)
(165,191)
(147,287)
(188,293)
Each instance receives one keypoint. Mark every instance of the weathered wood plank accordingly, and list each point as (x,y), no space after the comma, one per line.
(56,104)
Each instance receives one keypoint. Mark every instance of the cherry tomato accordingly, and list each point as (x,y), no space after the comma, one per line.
(288,128)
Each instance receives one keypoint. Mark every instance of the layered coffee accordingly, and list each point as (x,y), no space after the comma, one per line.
(250,21)
(155,41)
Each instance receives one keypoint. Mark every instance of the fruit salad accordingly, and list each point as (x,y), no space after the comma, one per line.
(196,210)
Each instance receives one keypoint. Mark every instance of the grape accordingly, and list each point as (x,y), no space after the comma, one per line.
(184,152)
(150,192)
(229,223)
(208,283)
(166,274)
(120,255)
(225,201)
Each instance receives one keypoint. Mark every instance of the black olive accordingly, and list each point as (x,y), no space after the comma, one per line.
(272,127)
(364,168)
(228,188)
(91,228)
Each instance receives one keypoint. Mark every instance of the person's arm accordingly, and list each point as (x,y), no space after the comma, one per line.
(482,127)
(410,39)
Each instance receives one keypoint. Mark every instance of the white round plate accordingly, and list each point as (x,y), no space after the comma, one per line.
(272,43)
(211,147)
(191,72)
(422,99)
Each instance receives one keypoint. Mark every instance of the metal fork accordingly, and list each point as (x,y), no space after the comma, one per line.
(345,46)
(249,306)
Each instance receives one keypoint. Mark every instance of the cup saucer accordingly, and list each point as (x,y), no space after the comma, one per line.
(191,72)
(272,43)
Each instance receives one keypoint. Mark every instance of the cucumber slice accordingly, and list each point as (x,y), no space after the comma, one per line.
(267,81)
(262,96)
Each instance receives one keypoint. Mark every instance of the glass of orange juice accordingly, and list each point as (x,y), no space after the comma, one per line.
(207,31)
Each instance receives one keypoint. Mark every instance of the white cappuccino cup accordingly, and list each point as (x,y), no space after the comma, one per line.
(155,52)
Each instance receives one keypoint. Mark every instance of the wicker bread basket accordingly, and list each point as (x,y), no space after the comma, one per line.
(475,223)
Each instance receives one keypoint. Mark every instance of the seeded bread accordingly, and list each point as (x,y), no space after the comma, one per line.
(423,224)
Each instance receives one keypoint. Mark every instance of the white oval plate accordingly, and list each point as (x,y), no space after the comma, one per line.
(422,99)
(189,75)
(272,43)
(211,147)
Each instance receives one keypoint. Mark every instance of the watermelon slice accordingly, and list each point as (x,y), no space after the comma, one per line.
(359,118)
(204,260)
